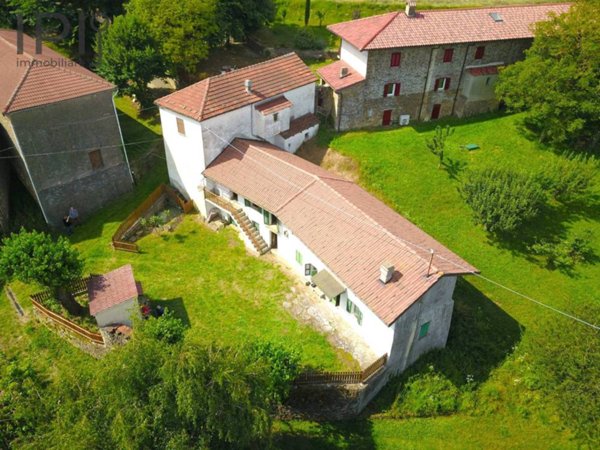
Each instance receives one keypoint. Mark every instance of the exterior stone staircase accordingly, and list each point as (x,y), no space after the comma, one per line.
(251,233)
(240,217)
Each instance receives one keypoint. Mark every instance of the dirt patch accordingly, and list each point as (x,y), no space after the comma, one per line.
(331,160)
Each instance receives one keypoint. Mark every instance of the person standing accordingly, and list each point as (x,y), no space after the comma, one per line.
(73,216)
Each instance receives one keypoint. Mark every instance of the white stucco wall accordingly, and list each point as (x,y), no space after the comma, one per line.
(224,129)
(185,158)
(375,333)
(119,314)
(293,143)
(354,57)
(435,307)
(303,100)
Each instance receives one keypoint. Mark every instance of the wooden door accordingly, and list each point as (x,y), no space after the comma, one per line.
(435,113)
(387,117)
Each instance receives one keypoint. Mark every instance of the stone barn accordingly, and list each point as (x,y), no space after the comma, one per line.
(62,125)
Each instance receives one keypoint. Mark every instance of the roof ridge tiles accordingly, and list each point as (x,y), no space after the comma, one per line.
(17,89)
(392,18)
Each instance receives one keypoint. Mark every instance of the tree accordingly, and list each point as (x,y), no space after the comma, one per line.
(501,199)
(126,55)
(437,145)
(558,83)
(238,18)
(321,16)
(36,257)
(307,13)
(184,29)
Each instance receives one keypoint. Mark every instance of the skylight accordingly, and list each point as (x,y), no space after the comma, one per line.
(497,17)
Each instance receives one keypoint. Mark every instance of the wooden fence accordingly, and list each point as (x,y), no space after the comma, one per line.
(359,376)
(117,239)
(61,321)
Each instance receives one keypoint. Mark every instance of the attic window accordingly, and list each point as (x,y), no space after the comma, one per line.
(496,17)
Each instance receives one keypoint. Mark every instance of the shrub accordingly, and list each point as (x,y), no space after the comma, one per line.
(284,366)
(501,199)
(566,254)
(305,40)
(426,395)
(568,178)
(166,328)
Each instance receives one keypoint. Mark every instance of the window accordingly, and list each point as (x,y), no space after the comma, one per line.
(96,159)
(391,90)
(256,225)
(180,126)
(395,61)
(442,84)
(336,300)
(298,257)
(358,314)
(448,53)
(424,330)
(267,217)
(349,305)
(479,52)
(309,270)
(247,203)
(275,117)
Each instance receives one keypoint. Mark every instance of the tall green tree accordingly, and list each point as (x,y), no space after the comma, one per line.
(238,18)
(306,13)
(183,28)
(36,257)
(558,83)
(126,55)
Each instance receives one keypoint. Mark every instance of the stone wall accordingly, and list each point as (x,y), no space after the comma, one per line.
(56,141)
(363,105)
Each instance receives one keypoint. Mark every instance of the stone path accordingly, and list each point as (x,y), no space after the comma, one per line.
(305,305)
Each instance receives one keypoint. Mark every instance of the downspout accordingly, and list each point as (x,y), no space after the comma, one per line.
(24,160)
(462,71)
(339,111)
(121,136)
(427,79)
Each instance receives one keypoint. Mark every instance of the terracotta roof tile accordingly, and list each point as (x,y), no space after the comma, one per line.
(331,75)
(112,289)
(351,231)
(438,27)
(275,105)
(223,93)
(300,124)
(31,80)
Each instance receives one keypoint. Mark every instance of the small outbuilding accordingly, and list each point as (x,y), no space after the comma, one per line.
(114,297)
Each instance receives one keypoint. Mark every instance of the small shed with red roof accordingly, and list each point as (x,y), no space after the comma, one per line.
(114,297)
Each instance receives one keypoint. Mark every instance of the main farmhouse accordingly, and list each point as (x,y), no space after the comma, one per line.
(421,65)
(60,124)
(229,142)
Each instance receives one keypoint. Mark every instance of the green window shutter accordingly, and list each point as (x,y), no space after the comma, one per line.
(247,203)
(313,271)
(268,219)
(298,257)
(358,314)
(424,330)
(349,305)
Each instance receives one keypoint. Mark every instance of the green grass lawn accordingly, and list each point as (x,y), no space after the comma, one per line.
(490,326)
(224,294)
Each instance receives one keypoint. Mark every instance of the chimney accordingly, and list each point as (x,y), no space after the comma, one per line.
(411,8)
(386,272)
(248,86)
(343,72)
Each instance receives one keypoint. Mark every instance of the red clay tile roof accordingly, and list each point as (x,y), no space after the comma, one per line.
(438,27)
(300,124)
(112,289)
(272,106)
(31,80)
(478,71)
(331,75)
(351,231)
(223,93)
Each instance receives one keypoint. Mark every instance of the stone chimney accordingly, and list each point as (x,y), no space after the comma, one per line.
(411,8)
(386,273)
(248,86)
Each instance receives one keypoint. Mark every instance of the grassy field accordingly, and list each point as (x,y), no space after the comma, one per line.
(491,327)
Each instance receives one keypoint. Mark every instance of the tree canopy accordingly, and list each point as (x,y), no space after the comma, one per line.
(558,83)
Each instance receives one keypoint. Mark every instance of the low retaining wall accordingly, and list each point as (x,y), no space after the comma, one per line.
(118,241)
